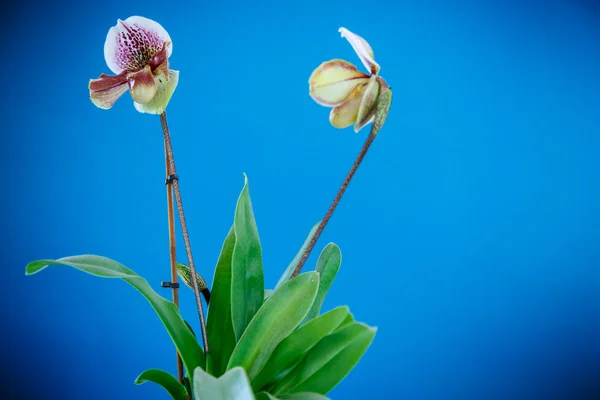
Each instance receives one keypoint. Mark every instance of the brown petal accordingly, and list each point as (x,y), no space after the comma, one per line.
(105,90)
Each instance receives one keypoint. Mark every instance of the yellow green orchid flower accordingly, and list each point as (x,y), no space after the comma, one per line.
(352,94)
(137,50)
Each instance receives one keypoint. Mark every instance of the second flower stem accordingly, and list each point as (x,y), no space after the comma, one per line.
(173,252)
(184,230)
(336,201)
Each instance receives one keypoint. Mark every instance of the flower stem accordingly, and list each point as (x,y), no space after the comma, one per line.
(173,252)
(384,102)
(186,237)
(336,200)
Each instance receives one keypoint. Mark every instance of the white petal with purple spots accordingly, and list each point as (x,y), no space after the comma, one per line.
(131,44)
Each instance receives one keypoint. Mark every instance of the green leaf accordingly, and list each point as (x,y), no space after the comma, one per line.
(303,396)
(247,280)
(185,273)
(219,327)
(233,385)
(190,328)
(191,353)
(291,349)
(164,379)
(327,363)
(265,396)
(292,266)
(291,396)
(268,293)
(327,266)
(276,319)
(349,319)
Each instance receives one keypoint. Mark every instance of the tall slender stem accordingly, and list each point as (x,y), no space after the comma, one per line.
(336,200)
(173,252)
(184,230)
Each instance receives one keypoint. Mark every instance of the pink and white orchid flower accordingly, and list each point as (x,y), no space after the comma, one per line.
(352,93)
(137,50)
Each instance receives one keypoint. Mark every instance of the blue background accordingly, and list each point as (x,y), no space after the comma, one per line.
(469,235)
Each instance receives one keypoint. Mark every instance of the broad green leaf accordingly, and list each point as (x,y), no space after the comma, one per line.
(185,342)
(327,363)
(233,385)
(276,319)
(247,280)
(185,273)
(188,384)
(164,379)
(291,349)
(268,293)
(219,327)
(327,267)
(265,396)
(292,266)
(303,396)
(349,319)
(190,328)
(291,396)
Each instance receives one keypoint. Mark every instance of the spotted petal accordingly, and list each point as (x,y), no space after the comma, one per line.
(334,81)
(362,49)
(345,114)
(131,44)
(105,90)
(165,89)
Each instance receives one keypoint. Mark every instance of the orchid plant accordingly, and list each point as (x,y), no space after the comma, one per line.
(264,344)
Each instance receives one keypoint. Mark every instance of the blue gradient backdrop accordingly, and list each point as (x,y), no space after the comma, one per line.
(469,236)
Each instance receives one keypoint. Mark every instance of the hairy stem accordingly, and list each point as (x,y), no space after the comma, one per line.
(384,102)
(173,252)
(186,237)
(336,201)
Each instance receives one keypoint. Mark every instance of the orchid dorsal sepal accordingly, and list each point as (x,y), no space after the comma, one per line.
(362,49)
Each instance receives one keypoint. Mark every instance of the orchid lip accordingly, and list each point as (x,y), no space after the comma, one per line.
(142,85)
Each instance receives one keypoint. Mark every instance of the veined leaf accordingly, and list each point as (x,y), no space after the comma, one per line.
(276,319)
(233,385)
(291,349)
(327,266)
(292,266)
(247,280)
(187,346)
(219,327)
(327,363)
(164,379)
